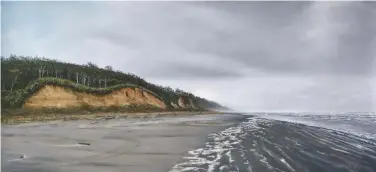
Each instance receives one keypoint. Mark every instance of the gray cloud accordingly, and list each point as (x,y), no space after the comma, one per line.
(178,70)
(247,55)
(318,38)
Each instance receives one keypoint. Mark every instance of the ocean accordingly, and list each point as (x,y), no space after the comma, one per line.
(289,142)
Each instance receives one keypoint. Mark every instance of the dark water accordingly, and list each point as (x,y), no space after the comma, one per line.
(290,143)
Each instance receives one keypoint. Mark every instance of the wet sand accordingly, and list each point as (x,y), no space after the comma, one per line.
(151,144)
(266,145)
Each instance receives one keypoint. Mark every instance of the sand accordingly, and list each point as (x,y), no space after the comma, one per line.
(60,97)
(142,145)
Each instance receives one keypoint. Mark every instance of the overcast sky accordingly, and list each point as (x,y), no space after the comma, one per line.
(250,56)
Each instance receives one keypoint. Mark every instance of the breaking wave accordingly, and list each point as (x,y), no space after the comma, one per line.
(260,144)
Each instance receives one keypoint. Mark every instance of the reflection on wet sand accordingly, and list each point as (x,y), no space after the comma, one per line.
(154,144)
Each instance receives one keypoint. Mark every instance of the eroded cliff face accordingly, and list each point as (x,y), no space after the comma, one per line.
(192,104)
(59,97)
(185,102)
(174,105)
(181,102)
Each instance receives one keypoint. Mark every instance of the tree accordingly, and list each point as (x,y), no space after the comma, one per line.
(57,72)
(88,80)
(14,81)
(68,74)
(109,68)
(19,71)
(41,71)
(94,79)
(77,77)
(105,82)
(179,91)
(83,78)
(92,65)
(100,83)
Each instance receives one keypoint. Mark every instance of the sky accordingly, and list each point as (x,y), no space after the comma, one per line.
(249,56)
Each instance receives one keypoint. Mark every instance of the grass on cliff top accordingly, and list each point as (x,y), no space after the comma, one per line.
(17,98)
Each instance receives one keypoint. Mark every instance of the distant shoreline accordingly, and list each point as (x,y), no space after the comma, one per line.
(30,117)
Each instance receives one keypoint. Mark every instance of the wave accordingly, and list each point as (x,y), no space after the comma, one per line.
(218,150)
(261,144)
(360,124)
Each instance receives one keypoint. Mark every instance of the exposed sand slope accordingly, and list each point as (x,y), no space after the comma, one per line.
(185,102)
(59,97)
(181,102)
(174,105)
(192,104)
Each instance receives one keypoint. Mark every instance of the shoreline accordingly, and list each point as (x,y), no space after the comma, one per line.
(14,119)
(134,144)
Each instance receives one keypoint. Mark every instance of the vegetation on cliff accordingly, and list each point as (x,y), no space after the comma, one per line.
(18,97)
(23,76)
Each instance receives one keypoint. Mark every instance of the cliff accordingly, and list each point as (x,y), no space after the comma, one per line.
(51,96)
(34,83)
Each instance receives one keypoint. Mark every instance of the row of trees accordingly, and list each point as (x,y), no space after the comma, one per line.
(19,71)
(79,77)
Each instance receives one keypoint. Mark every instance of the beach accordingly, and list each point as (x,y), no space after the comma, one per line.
(124,144)
(206,142)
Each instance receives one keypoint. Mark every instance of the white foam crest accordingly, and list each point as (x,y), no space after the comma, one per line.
(268,151)
(339,150)
(221,145)
(330,121)
(294,141)
(287,164)
(228,154)
(262,159)
(242,155)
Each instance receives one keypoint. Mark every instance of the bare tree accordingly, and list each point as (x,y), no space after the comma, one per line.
(68,75)
(93,80)
(57,71)
(105,82)
(14,81)
(77,77)
(41,71)
(88,81)
(83,78)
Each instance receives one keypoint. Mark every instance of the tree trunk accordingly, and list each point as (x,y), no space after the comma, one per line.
(105,82)
(93,80)
(41,71)
(13,82)
(83,79)
(77,77)
(68,75)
